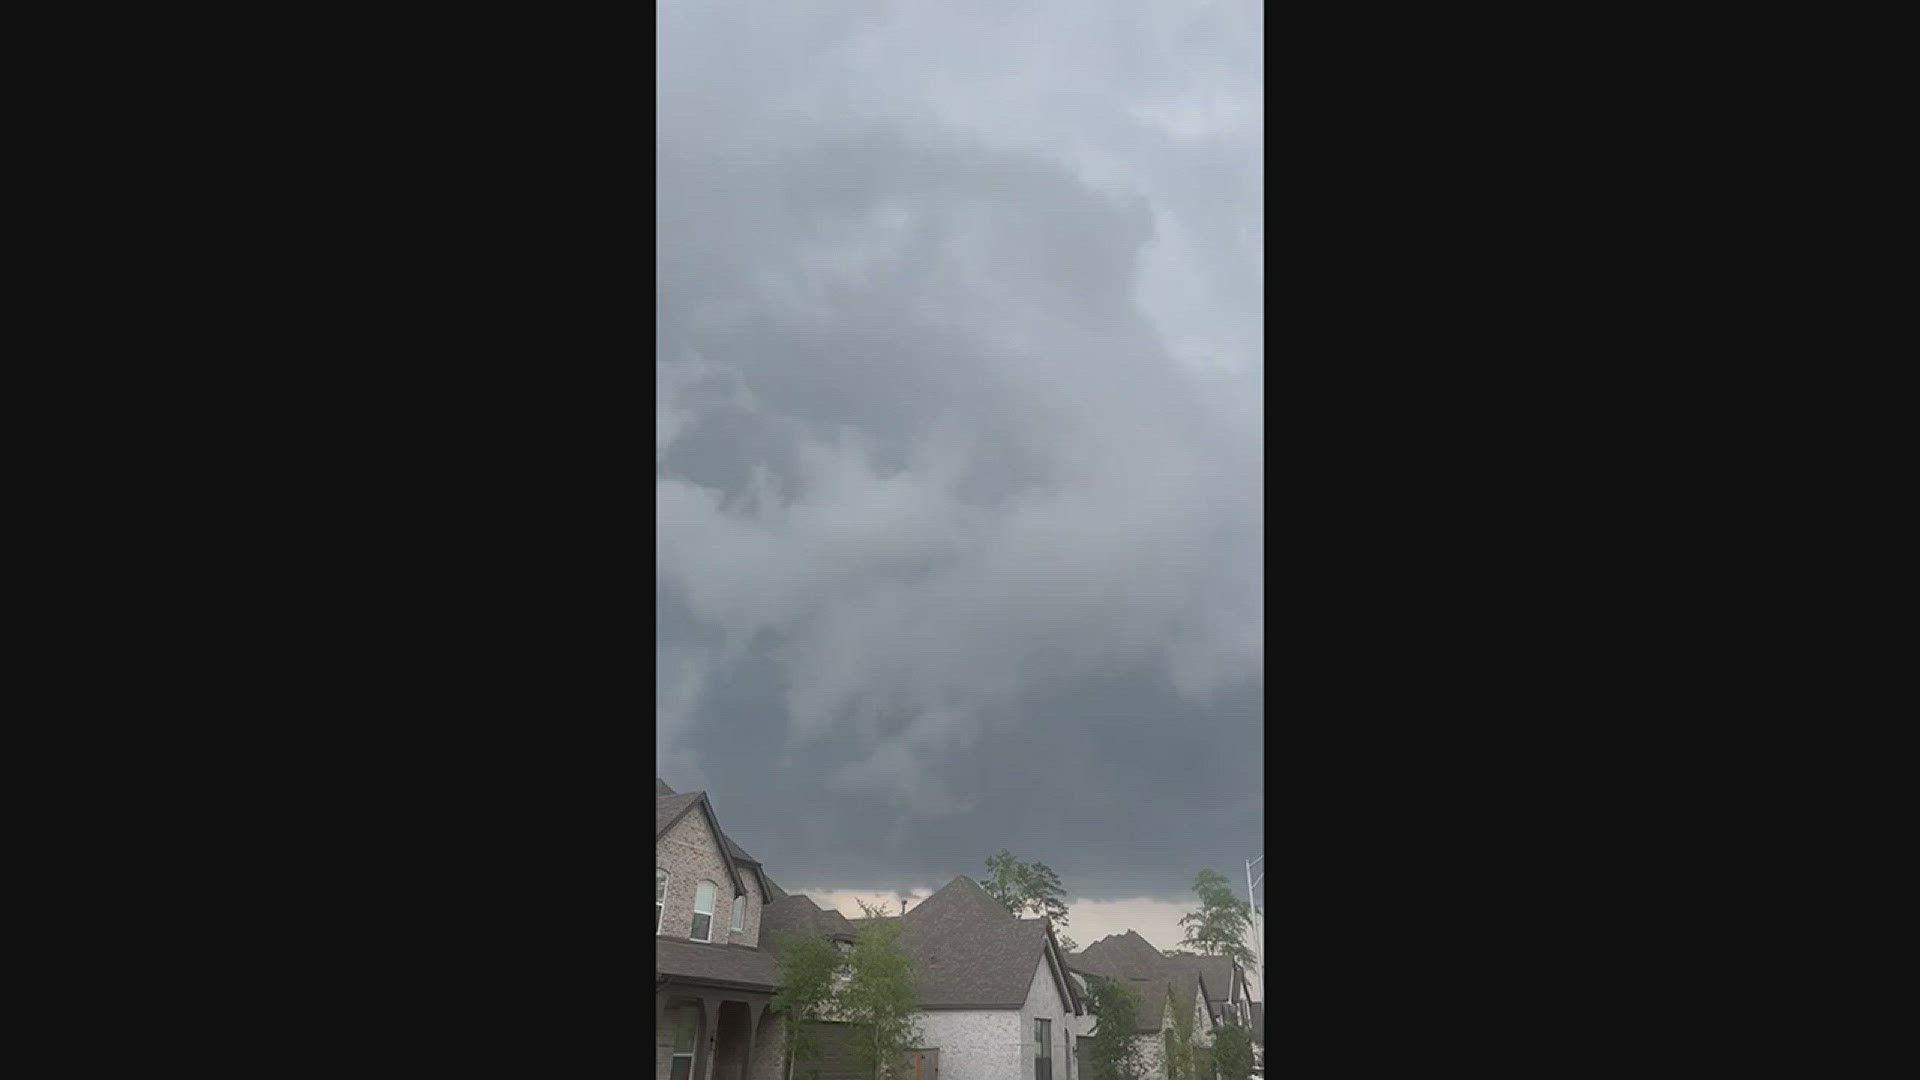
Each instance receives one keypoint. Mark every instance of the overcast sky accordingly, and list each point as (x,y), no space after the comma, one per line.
(958,445)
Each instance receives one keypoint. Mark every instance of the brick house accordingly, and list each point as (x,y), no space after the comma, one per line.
(997,1000)
(995,996)
(712,981)
(1164,984)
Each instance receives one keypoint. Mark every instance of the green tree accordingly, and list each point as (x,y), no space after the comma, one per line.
(1221,926)
(1233,1051)
(1111,1052)
(809,975)
(879,997)
(1030,887)
(1067,944)
(1180,1041)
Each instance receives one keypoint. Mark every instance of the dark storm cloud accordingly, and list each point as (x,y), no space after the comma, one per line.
(958,445)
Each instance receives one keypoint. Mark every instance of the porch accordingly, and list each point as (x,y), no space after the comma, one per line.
(709,1033)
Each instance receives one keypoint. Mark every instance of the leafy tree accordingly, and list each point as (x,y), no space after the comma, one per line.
(1180,1041)
(810,968)
(1222,925)
(1233,1051)
(879,997)
(1030,887)
(1111,1052)
(1067,944)
(1177,952)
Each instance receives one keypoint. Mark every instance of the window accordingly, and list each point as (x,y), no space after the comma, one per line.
(680,1023)
(703,911)
(739,914)
(1043,1050)
(659,898)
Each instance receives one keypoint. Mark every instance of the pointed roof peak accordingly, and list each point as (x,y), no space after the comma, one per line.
(960,898)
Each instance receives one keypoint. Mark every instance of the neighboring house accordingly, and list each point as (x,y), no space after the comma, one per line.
(1227,991)
(712,981)
(1164,984)
(996,1000)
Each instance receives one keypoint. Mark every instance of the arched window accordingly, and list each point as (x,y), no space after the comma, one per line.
(659,897)
(739,913)
(703,911)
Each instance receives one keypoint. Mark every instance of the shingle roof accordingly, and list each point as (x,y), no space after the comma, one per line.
(1125,955)
(1218,971)
(664,797)
(960,898)
(800,915)
(973,961)
(967,950)
(1152,974)
(668,808)
(726,964)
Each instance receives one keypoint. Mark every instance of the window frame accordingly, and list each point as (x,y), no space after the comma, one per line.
(693,1025)
(737,922)
(713,895)
(660,881)
(1043,1045)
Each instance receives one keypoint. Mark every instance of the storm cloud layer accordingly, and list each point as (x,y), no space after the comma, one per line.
(958,446)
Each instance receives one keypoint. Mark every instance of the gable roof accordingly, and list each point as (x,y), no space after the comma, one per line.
(967,950)
(1153,974)
(661,794)
(1127,956)
(1219,972)
(669,809)
(960,898)
(975,961)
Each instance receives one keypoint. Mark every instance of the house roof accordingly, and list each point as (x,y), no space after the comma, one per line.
(968,951)
(724,965)
(1217,969)
(972,961)
(800,915)
(1153,974)
(960,898)
(664,796)
(669,809)
(1127,956)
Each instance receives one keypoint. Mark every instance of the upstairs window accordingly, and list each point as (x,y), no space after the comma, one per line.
(1043,1050)
(659,898)
(703,911)
(739,921)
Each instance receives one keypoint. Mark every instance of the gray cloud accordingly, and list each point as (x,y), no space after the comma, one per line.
(958,473)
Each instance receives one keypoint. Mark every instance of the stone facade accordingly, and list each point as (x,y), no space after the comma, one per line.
(977,1044)
(690,853)
(1043,1003)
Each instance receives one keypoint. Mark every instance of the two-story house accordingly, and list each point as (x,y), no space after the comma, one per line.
(712,981)
(1164,984)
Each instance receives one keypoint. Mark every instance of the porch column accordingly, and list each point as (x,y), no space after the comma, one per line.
(753,1027)
(709,1041)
